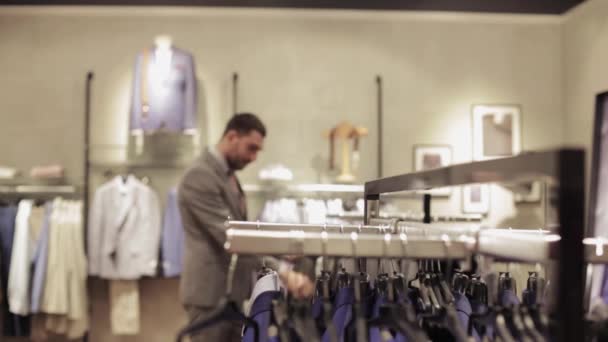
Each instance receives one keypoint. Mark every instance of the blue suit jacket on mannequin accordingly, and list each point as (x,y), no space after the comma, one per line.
(171,94)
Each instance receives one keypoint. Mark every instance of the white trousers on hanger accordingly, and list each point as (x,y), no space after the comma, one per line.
(124,307)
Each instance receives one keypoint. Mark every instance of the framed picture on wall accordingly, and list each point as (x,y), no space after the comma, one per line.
(529,193)
(496,131)
(427,157)
(476,199)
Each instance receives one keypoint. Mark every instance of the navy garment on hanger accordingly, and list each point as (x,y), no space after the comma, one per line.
(374,332)
(317,308)
(375,335)
(13,325)
(464,310)
(528,297)
(480,308)
(509,298)
(343,312)
(261,313)
(403,297)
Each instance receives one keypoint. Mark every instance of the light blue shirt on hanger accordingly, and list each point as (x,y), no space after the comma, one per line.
(173,237)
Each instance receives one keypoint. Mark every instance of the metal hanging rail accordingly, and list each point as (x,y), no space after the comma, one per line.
(409,217)
(329,228)
(463,228)
(355,245)
(535,245)
(304,239)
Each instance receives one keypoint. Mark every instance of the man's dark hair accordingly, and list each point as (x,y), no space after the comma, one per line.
(244,123)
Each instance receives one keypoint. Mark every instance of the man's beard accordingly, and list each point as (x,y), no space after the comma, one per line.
(235,164)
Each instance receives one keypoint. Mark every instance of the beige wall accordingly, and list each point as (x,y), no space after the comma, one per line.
(302,71)
(585,55)
(585,51)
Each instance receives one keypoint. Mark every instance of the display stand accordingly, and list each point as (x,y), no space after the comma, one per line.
(563,169)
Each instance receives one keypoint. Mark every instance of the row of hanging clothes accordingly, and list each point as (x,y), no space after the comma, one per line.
(43,269)
(432,306)
(309,210)
(446,298)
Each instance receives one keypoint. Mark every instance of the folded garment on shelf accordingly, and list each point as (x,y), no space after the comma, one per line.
(8,172)
(275,172)
(47,171)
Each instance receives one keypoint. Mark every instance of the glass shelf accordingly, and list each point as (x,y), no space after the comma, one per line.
(304,188)
(38,189)
(130,165)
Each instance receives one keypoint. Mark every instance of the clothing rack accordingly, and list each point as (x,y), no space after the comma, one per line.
(563,169)
(72,191)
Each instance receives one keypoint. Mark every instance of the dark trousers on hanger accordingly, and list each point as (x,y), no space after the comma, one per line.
(222,331)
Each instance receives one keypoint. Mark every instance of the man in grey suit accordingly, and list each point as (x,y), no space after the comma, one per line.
(208,194)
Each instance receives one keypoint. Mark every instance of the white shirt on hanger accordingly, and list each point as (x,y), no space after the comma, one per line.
(315,211)
(19,272)
(269,282)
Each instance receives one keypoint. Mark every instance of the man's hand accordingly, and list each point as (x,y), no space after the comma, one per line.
(298,284)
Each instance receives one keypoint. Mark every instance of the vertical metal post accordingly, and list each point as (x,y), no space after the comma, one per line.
(235,93)
(87,163)
(545,199)
(379,99)
(426,207)
(371,210)
(371,207)
(87,148)
(570,280)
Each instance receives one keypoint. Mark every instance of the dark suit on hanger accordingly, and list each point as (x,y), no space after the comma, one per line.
(206,198)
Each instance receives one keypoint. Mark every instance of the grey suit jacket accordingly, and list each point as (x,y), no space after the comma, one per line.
(205,201)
